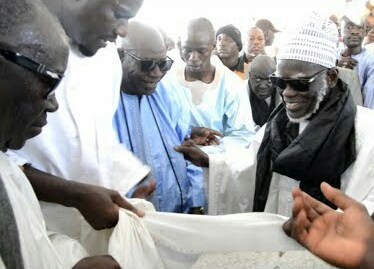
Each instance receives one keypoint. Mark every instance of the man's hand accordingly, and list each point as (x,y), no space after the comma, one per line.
(144,191)
(97,262)
(100,206)
(347,62)
(193,153)
(205,136)
(342,239)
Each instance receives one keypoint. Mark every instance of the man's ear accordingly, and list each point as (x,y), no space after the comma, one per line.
(333,75)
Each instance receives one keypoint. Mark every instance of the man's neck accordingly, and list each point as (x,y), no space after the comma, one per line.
(207,76)
(353,51)
(231,63)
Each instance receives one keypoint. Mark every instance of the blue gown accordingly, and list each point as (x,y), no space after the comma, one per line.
(151,126)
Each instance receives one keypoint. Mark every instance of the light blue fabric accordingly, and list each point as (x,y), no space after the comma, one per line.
(365,71)
(224,104)
(156,125)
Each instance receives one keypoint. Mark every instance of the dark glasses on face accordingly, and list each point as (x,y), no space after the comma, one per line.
(298,84)
(150,65)
(53,78)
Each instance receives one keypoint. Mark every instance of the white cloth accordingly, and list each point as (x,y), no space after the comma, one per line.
(79,142)
(370,47)
(169,240)
(38,250)
(232,175)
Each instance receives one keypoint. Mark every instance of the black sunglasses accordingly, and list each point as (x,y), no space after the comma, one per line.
(298,84)
(150,65)
(53,78)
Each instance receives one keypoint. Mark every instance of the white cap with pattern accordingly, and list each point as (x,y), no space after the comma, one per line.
(314,40)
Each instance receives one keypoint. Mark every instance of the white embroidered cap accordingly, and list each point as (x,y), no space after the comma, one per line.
(314,40)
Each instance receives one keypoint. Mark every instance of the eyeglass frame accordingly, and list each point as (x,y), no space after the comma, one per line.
(27,63)
(305,81)
(155,63)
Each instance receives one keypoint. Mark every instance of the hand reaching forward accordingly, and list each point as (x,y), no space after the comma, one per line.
(100,206)
(340,238)
(193,153)
(205,136)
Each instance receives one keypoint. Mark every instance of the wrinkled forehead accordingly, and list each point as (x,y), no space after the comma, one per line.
(130,7)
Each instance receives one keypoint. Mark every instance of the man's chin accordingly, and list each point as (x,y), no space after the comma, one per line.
(297,119)
(15,144)
(90,51)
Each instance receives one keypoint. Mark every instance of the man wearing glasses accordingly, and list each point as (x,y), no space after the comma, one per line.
(79,143)
(33,59)
(262,93)
(150,124)
(317,134)
(356,57)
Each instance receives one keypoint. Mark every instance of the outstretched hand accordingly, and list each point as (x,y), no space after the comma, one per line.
(193,153)
(100,206)
(205,136)
(340,238)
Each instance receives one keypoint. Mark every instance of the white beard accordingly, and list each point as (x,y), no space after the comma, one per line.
(320,96)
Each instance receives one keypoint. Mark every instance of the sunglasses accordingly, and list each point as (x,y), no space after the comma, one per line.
(150,65)
(53,78)
(298,84)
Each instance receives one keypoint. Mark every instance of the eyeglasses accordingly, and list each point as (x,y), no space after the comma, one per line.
(298,84)
(150,65)
(53,78)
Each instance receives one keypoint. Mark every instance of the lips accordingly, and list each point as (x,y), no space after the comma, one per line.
(292,106)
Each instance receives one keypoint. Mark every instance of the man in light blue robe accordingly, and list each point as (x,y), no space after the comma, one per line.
(150,124)
(358,58)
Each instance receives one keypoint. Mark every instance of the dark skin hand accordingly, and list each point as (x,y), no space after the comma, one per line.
(205,136)
(343,239)
(144,191)
(98,205)
(97,262)
(347,61)
(193,153)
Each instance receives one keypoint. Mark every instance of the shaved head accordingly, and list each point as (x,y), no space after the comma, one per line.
(263,64)
(199,26)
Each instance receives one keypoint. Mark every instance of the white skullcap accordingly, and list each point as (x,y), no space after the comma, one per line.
(356,12)
(314,40)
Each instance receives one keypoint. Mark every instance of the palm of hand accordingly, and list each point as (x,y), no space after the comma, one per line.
(335,233)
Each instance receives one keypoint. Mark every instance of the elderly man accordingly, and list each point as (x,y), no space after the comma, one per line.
(33,58)
(262,93)
(150,124)
(229,44)
(215,96)
(316,135)
(79,143)
(357,58)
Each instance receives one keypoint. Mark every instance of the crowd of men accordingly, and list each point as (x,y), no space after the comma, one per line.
(224,128)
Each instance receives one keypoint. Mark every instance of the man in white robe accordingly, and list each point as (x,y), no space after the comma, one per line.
(316,135)
(79,143)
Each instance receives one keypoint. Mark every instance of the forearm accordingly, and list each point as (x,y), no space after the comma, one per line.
(53,189)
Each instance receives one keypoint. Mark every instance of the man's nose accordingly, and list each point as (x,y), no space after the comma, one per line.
(121,27)
(156,73)
(289,91)
(194,56)
(51,104)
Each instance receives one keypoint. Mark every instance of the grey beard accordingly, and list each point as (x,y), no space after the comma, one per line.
(320,96)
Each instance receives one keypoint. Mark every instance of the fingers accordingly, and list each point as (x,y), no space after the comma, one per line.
(121,202)
(337,197)
(214,132)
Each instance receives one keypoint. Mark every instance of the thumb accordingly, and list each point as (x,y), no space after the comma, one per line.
(121,202)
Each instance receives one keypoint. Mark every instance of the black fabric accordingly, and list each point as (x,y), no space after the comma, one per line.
(322,152)
(260,109)
(10,248)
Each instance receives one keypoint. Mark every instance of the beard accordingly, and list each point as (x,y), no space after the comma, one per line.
(321,93)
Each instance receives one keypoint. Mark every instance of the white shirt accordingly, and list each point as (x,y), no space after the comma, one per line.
(79,141)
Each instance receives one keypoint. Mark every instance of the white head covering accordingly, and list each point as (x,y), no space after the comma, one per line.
(314,40)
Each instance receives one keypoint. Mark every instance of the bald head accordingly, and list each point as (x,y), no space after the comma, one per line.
(28,28)
(263,64)
(144,42)
(197,28)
